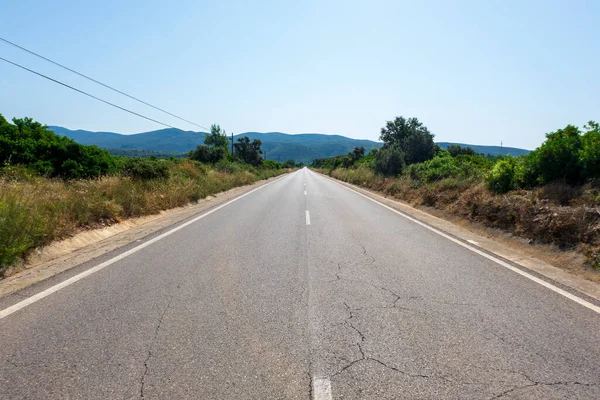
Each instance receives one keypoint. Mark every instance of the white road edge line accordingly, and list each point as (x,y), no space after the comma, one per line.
(321,389)
(542,282)
(307,218)
(30,300)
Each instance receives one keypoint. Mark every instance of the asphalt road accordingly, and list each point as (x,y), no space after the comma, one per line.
(299,289)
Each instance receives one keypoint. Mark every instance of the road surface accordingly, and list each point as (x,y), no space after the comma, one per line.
(300,289)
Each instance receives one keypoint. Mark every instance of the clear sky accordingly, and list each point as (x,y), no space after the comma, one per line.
(477,72)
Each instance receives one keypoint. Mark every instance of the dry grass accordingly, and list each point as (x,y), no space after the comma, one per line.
(36,211)
(566,218)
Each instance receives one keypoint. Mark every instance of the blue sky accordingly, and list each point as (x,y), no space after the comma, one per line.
(477,72)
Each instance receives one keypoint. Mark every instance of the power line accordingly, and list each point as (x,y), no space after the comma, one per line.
(87,94)
(100,83)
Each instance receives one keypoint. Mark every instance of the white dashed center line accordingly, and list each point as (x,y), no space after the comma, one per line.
(307,218)
(321,389)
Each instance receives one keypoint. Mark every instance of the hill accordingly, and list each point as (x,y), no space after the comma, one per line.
(491,150)
(303,147)
(278,146)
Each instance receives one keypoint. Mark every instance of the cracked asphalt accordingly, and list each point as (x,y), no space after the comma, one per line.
(251,303)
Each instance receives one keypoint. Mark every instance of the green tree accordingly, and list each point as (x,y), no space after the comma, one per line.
(215,147)
(558,157)
(389,160)
(589,155)
(217,138)
(248,151)
(411,136)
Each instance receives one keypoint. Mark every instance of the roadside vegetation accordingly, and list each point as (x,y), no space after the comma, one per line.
(52,187)
(549,196)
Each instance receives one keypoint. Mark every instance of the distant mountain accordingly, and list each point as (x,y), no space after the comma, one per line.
(279,146)
(491,150)
(170,140)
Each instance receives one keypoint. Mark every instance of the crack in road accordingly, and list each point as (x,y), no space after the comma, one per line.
(534,383)
(149,356)
(368,255)
(364,357)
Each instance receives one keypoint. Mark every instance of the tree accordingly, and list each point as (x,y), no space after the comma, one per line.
(357,153)
(589,155)
(558,157)
(217,138)
(389,160)
(411,136)
(215,147)
(247,151)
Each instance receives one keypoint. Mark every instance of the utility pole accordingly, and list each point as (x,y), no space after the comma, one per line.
(231,143)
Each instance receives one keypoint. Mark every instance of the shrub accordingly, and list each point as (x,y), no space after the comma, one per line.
(207,155)
(270,164)
(526,172)
(501,178)
(440,167)
(30,143)
(145,168)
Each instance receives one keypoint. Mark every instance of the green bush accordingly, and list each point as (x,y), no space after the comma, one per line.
(145,168)
(270,164)
(440,167)
(558,157)
(501,178)
(30,143)
(207,155)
